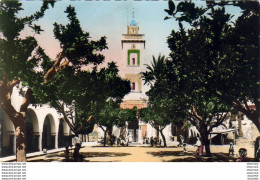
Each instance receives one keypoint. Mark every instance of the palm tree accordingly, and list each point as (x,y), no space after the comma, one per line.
(154,71)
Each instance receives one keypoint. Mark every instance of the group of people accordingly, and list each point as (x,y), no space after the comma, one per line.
(152,141)
(242,151)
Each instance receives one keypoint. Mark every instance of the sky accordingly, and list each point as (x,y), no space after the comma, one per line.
(110,19)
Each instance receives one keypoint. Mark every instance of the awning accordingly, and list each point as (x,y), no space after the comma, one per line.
(224,131)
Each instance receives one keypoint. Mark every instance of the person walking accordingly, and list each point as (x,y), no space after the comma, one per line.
(231,149)
(77,143)
(199,150)
(152,141)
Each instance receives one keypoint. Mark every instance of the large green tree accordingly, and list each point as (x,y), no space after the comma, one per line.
(157,119)
(18,62)
(238,45)
(82,91)
(22,60)
(81,96)
(197,67)
(159,112)
(112,115)
(204,64)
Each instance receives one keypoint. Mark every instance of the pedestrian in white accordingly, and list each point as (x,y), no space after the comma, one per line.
(130,137)
(199,145)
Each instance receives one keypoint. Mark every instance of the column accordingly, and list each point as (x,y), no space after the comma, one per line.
(55,141)
(40,142)
(13,143)
(140,134)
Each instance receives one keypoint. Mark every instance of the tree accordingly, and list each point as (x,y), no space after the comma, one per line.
(112,115)
(211,57)
(22,60)
(196,68)
(155,70)
(81,93)
(239,49)
(157,113)
(84,91)
(17,64)
(244,83)
(158,120)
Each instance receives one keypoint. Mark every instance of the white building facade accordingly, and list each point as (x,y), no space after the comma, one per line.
(45,128)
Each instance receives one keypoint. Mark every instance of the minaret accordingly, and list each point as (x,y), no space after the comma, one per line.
(133,47)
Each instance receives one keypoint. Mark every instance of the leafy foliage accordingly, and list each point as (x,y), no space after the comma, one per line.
(207,68)
(16,54)
(111,114)
(79,49)
(226,53)
(71,87)
(18,62)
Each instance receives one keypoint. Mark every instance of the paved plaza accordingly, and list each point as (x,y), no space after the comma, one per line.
(142,154)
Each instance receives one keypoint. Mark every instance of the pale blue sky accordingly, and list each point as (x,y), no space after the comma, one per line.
(110,18)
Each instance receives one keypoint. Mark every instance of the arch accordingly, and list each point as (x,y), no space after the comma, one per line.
(48,133)
(7,135)
(32,131)
(52,123)
(34,119)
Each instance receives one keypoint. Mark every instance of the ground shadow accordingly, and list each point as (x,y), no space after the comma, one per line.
(114,146)
(191,157)
(60,157)
(103,154)
(168,147)
(169,153)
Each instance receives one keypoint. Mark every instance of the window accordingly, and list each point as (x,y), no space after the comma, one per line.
(133,86)
(133,61)
(133,53)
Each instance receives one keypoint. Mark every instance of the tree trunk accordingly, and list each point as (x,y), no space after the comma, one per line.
(110,139)
(18,118)
(205,141)
(251,114)
(122,133)
(240,133)
(163,137)
(105,138)
(20,133)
